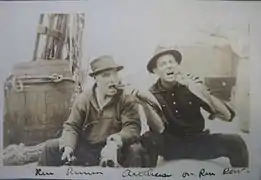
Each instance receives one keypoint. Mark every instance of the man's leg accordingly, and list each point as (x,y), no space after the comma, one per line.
(212,146)
(132,156)
(172,147)
(152,144)
(236,148)
(51,155)
(88,155)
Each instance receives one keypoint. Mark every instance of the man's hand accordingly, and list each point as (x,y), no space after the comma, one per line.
(143,96)
(151,107)
(67,155)
(187,78)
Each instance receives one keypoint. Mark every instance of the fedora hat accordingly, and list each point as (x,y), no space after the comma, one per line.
(160,51)
(103,63)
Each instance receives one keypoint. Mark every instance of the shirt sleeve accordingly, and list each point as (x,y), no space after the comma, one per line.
(131,124)
(73,125)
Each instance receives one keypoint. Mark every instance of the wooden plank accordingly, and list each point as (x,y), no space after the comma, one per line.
(17,102)
(31,109)
(62,39)
(48,38)
(58,106)
(42,29)
(14,117)
(42,67)
(37,39)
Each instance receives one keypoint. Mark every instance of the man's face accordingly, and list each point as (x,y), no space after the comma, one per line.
(106,81)
(166,68)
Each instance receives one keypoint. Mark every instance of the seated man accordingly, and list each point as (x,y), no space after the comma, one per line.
(103,127)
(181,97)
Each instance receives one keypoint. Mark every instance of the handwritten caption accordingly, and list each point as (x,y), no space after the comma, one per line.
(70,171)
(204,172)
(149,172)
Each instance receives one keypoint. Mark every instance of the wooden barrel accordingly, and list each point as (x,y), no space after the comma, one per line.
(37,101)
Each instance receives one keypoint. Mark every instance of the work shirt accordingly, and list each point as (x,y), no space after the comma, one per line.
(181,109)
(91,124)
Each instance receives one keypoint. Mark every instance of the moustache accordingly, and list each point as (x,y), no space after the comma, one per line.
(118,86)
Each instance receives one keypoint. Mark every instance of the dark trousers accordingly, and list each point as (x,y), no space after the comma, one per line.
(89,155)
(200,147)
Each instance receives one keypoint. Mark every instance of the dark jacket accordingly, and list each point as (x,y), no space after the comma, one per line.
(89,124)
(181,107)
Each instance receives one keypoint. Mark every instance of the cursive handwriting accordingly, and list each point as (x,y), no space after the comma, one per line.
(226,171)
(130,173)
(186,174)
(39,172)
(202,173)
(234,170)
(71,171)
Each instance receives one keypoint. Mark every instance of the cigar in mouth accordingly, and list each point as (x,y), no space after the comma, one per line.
(113,86)
(118,86)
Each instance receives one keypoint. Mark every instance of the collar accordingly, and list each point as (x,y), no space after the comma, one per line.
(158,87)
(94,100)
(98,98)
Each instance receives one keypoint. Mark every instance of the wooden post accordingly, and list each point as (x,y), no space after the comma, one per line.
(37,39)
(46,53)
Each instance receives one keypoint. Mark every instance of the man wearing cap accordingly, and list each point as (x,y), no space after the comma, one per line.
(104,123)
(181,96)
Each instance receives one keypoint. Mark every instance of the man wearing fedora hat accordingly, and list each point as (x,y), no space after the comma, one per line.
(103,126)
(181,97)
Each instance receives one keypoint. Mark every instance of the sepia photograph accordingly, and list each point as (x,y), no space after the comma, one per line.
(127,86)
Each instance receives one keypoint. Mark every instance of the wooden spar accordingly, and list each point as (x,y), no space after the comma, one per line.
(48,38)
(37,39)
(61,40)
(58,41)
(54,41)
(70,45)
(56,31)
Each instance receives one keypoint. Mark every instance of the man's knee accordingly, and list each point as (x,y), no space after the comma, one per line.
(152,143)
(131,156)
(51,145)
(235,141)
(136,149)
(151,140)
(50,153)
(237,150)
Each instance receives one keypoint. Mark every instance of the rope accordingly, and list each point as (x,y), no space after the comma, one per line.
(19,83)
